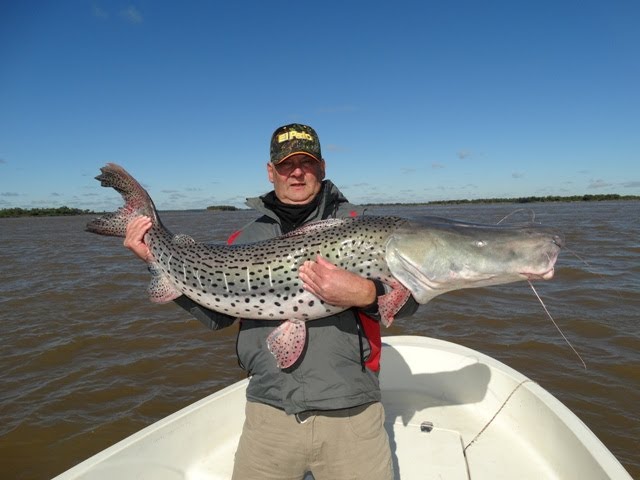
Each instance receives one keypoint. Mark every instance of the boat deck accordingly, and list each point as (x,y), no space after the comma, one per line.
(451,413)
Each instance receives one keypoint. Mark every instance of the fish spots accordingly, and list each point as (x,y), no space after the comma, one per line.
(261,280)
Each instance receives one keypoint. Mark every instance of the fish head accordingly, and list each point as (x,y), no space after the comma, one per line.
(436,255)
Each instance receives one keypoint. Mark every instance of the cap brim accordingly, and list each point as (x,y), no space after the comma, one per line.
(297,153)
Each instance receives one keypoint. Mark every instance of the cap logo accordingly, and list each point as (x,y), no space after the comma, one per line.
(294,134)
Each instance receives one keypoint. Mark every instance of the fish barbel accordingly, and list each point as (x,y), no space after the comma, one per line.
(422,258)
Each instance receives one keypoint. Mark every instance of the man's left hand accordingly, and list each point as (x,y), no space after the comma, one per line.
(335,285)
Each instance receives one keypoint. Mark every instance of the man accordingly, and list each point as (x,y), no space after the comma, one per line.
(323,414)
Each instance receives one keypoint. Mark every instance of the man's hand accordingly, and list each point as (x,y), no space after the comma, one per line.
(134,240)
(335,285)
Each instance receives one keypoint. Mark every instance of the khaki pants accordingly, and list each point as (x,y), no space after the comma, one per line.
(334,445)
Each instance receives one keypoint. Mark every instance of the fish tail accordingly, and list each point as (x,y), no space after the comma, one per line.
(137,202)
(287,342)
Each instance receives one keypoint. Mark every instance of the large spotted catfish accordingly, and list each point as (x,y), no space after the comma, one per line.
(259,280)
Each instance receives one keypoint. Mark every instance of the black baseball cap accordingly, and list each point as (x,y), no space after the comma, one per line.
(294,139)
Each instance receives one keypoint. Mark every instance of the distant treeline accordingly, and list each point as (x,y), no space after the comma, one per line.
(60,211)
(224,208)
(51,212)
(549,198)
(42,212)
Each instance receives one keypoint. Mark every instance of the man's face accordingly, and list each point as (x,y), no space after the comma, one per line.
(296,180)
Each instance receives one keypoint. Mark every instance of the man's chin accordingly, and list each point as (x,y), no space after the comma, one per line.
(299,195)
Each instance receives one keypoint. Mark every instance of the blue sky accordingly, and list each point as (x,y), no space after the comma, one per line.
(413,101)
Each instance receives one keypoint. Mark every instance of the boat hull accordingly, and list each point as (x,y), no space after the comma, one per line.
(451,412)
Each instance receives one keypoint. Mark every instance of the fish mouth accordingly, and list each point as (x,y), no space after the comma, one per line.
(552,257)
(547,275)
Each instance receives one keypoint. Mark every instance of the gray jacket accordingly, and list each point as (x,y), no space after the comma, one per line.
(331,373)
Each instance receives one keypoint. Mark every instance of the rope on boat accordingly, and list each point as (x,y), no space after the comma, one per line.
(464,450)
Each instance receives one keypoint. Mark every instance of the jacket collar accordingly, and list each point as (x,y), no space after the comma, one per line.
(332,197)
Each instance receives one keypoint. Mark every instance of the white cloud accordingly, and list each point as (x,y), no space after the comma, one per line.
(99,12)
(334,148)
(131,14)
(595,184)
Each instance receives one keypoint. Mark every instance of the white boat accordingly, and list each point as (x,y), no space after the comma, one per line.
(451,413)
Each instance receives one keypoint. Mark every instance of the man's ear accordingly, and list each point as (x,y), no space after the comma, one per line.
(270,171)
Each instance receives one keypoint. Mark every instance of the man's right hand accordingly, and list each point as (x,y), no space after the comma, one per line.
(134,240)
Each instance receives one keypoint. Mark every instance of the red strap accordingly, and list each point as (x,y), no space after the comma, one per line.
(372,331)
(233,236)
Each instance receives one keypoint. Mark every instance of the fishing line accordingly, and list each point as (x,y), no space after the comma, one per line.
(533,215)
(556,325)
(496,414)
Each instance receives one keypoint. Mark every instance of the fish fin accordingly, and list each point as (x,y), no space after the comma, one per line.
(112,224)
(316,227)
(390,303)
(183,240)
(137,202)
(287,342)
(160,289)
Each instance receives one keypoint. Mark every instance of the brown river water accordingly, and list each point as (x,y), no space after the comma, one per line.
(87,360)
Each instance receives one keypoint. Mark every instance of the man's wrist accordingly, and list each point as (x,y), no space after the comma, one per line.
(377,289)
